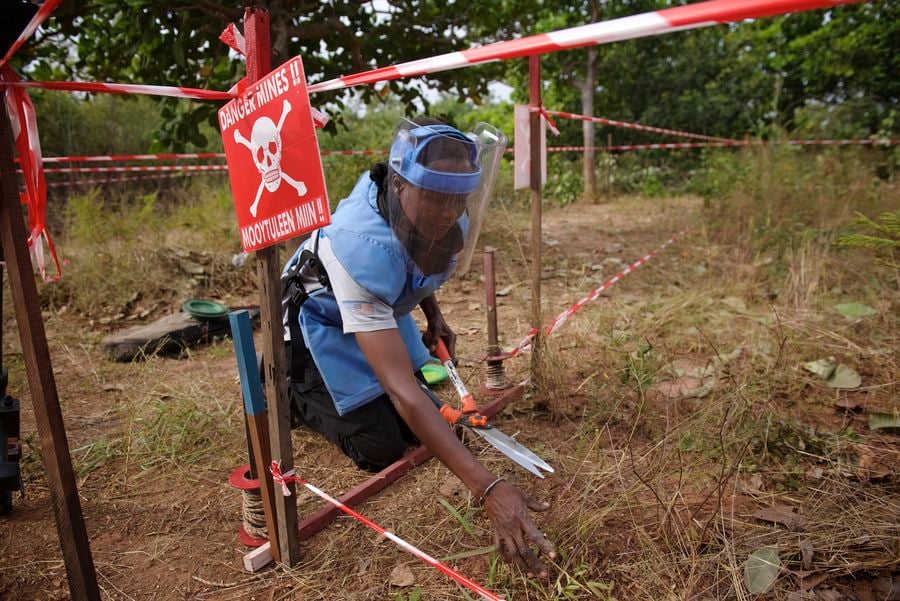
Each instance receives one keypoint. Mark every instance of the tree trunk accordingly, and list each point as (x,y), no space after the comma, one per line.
(588,84)
(588,127)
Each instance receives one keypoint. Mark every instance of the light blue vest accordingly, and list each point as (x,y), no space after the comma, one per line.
(376,260)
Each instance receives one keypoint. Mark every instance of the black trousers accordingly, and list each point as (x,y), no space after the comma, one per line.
(373,436)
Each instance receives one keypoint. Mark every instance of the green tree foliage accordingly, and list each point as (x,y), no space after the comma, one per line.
(176,43)
(824,73)
(104,124)
(828,67)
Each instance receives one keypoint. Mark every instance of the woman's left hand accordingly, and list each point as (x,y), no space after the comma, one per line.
(438,329)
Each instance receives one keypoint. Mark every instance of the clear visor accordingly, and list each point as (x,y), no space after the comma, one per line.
(438,185)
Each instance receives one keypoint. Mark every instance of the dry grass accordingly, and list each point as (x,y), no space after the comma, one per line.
(673,408)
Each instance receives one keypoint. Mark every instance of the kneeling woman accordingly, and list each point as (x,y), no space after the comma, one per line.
(356,350)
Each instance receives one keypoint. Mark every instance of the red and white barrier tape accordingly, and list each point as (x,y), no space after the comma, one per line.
(125,88)
(134,157)
(326,153)
(137,168)
(559,320)
(289,476)
(28,144)
(701,14)
(39,17)
(638,126)
(186,155)
(24,129)
(234,39)
(680,145)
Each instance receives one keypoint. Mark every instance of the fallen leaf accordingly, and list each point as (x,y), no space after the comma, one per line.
(686,388)
(450,487)
(855,310)
(844,377)
(729,357)
(685,367)
(735,303)
(836,375)
(781,514)
(761,570)
(848,404)
(810,580)
(871,467)
(884,421)
(402,576)
(887,587)
(752,484)
(829,595)
(801,596)
(806,554)
(863,590)
(815,473)
(821,367)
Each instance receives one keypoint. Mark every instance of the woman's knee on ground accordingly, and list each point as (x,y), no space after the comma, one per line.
(373,453)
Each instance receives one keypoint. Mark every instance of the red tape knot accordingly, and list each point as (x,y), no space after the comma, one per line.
(550,123)
(285,478)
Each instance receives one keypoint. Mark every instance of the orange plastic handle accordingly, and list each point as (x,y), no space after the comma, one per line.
(454,417)
(467,401)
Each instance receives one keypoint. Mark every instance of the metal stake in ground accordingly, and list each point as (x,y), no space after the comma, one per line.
(534,101)
(495,377)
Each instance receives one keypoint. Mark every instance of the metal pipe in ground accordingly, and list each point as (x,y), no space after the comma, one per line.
(495,377)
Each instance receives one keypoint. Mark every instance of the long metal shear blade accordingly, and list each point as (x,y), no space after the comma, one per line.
(514,450)
(495,434)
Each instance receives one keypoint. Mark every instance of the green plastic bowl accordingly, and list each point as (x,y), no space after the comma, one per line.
(204,309)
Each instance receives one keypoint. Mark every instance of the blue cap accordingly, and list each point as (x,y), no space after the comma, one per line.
(409,144)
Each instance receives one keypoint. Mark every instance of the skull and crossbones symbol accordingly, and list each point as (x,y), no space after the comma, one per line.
(265,146)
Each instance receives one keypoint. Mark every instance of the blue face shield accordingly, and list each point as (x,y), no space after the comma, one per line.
(440,180)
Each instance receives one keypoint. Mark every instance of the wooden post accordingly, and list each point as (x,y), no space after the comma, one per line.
(268,271)
(256,420)
(73,538)
(534,101)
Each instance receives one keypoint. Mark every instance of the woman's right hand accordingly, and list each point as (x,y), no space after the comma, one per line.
(514,532)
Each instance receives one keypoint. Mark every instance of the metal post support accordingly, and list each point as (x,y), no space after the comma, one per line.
(268,269)
(73,538)
(534,97)
(495,376)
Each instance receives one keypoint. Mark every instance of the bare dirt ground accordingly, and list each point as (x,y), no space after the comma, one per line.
(673,408)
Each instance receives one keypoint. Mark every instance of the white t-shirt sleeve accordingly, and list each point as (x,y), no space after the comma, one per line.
(361,311)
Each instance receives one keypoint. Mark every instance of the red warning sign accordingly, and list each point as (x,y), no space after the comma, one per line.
(273,159)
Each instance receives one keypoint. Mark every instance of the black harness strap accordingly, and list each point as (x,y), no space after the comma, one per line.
(296,295)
